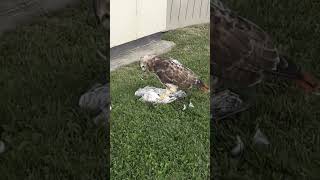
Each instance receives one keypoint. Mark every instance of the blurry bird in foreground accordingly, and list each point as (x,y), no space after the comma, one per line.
(97,98)
(243,55)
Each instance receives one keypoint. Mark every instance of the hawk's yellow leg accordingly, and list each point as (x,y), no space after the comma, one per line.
(169,90)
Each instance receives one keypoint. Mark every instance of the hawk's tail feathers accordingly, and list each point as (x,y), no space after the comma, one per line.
(294,72)
(202,86)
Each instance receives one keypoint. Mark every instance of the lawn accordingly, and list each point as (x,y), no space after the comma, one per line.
(287,117)
(44,68)
(162,142)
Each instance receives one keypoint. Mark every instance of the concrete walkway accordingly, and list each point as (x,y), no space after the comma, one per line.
(16,12)
(155,47)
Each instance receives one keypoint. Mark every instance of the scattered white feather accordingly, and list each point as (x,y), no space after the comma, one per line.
(2,147)
(316,93)
(239,147)
(184,107)
(191,105)
(104,57)
(260,139)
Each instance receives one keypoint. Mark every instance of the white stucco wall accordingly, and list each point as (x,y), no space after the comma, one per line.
(133,19)
(151,15)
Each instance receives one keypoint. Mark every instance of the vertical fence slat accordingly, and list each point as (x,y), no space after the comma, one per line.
(190,11)
(187,12)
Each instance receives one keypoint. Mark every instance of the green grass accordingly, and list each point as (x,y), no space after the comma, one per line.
(163,142)
(289,118)
(44,68)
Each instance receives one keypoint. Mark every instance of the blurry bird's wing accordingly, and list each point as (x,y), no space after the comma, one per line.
(181,67)
(240,49)
(102,11)
(170,72)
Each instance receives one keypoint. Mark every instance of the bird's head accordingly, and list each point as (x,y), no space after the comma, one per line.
(145,62)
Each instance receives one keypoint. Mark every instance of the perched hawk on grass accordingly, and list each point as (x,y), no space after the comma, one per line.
(243,53)
(172,74)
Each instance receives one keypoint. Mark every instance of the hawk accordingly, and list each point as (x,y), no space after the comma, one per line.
(172,74)
(243,53)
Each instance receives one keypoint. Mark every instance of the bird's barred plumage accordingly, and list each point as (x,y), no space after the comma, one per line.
(241,50)
(171,72)
(243,53)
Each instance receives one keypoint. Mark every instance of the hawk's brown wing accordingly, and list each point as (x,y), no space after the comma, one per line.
(240,50)
(170,72)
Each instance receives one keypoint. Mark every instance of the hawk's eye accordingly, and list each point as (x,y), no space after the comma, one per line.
(143,67)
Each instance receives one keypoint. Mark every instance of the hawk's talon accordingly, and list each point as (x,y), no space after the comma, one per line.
(166,94)
(163,96)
